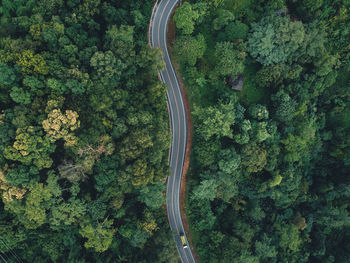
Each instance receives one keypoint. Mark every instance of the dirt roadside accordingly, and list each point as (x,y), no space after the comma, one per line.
(171,34)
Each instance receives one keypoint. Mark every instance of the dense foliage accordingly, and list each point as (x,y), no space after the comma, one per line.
(270,164)
(83,134)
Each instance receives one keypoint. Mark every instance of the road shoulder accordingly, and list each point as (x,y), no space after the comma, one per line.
(171,34)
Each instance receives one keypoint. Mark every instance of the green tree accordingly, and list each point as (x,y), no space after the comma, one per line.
(22,175)
(99,237)
(16,8)
(264,249)
(49,36)
(297,146)
(32,64)
(275,39)
(106,173)
(315,40)
(189,49)
(68,54)
(309,6)
(258,112)
(60,126)
(277,6)
(134,233)
(35,85)
(149,59)
(166,252)
(274,75)
(31,147)
(230,58)
(7,133)
(259,131)
(142,173)
(75,86)
(153,195)
(243,136)
(7,75)
(205,151)
(215,120)
(67,213)
(253,157)
(105,64)
(34,210)
(228,189)
(236,30)
(223,18)
(185,18)
(92,58)
(325,64)
(290,239)
(20,95)
(134,144)
(120,40)
(284,106)
(204,214)
(11,235)
(56,86)
(229,160)
(247,257)
(206,190)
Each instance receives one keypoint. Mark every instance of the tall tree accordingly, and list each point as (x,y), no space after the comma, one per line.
(185,18)
(275,39)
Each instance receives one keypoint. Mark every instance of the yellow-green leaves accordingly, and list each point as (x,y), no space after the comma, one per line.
(60,126)
(32,63)
(34,210)
(98,237)
(31,147)
(185,17)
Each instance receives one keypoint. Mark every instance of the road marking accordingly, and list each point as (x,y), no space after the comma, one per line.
(177,84)
(161,78)
(176,81)
(172,88)
(184,121)
(184,114)
(183,108)
(178,114)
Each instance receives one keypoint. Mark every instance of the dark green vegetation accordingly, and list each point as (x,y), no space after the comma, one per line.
(83,134)
(270,164)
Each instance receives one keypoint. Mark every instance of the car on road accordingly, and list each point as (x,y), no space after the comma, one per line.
(183,240)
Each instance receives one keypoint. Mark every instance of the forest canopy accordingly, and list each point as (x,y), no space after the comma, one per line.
(269,174)
(84,134)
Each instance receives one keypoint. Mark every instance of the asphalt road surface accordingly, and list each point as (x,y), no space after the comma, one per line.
(157,37)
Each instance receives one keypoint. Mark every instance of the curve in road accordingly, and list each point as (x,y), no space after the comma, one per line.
(157,38)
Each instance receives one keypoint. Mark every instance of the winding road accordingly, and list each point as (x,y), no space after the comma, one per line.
(157,38)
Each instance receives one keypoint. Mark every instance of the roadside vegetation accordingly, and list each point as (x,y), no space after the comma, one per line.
(84,134)
(270,164)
